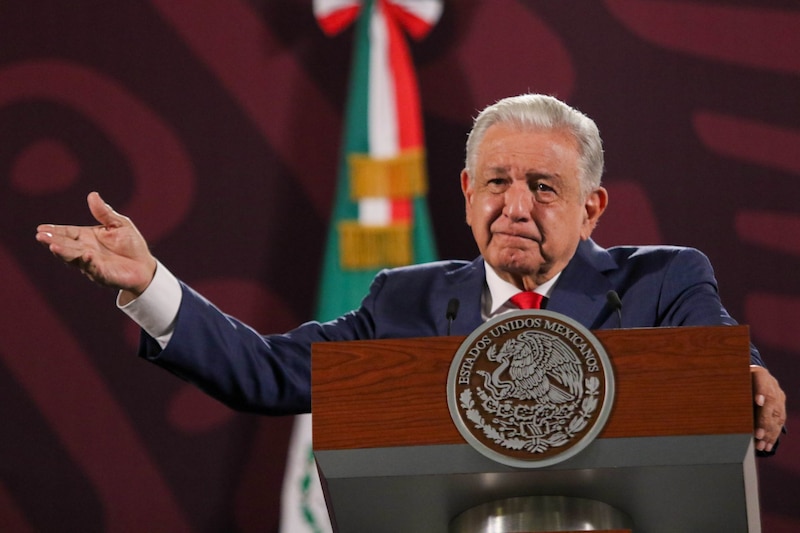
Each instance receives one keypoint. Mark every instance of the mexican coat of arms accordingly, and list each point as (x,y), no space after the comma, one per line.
(530,388)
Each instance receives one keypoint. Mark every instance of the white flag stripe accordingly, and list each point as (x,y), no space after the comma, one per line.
(382,119)
(427,10)
(374,211)
(382,115)
(323,8)
(303,503)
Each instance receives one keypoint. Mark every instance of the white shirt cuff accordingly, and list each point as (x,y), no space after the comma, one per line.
(156,309)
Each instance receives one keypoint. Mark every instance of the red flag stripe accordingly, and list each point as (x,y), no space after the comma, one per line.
(408,110)
(338,20)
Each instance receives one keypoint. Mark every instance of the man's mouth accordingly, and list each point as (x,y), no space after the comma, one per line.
(512,235)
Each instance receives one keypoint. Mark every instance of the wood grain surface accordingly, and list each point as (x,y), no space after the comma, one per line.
(668,381)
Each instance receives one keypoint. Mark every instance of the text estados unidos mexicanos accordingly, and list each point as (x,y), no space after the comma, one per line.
(568,334)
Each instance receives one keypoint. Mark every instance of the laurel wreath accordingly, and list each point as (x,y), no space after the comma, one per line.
(535,444)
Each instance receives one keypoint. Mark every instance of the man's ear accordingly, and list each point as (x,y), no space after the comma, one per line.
(466,188)
(596,202)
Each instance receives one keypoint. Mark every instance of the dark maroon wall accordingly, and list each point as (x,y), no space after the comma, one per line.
(215,125)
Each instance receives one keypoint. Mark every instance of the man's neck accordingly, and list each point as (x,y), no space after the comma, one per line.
(500,290)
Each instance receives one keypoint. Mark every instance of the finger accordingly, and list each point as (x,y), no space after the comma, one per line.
(102,212)
(68,250)
(769,424)
(767,432)
(57,232)
(44,233)
(61,237)
(764,441)
(63,241)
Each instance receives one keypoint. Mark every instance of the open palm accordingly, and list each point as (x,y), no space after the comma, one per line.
(112,253)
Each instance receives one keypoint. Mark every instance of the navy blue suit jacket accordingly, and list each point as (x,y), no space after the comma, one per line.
(658,285)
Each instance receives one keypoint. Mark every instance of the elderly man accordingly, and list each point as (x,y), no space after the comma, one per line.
(533,197)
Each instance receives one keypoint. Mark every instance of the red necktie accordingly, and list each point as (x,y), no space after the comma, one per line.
(527,300)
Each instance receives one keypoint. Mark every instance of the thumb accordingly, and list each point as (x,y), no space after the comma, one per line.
(102,212)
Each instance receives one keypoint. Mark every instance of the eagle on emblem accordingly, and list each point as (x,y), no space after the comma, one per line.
(541,367)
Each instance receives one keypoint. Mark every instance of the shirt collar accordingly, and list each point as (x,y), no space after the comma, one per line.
(500,290)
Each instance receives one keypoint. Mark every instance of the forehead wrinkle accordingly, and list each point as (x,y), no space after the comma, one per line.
(499,169)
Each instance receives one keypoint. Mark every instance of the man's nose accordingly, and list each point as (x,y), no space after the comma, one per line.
(518,202)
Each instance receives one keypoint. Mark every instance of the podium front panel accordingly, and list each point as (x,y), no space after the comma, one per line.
(675,455)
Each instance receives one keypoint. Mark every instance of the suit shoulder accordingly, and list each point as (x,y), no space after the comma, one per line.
(416,282)
(653,252)
(431,269)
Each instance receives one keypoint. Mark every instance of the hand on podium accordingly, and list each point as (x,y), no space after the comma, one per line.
(770,413)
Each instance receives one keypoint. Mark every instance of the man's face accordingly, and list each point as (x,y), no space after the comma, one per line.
(525,206)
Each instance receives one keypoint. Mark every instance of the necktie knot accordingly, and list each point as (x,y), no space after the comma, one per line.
(527,300)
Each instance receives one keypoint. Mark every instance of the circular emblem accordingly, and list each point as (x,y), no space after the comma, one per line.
(530,388)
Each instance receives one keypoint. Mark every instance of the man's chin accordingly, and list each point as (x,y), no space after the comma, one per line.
(518,264)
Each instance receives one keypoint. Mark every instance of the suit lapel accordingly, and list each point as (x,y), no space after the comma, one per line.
(580,292)
(466,285)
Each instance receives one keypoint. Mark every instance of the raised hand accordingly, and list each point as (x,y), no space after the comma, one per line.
(112,253)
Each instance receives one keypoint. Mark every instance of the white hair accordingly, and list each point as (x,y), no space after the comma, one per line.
(539,111)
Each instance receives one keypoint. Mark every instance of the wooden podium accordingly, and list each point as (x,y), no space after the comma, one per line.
(676,454)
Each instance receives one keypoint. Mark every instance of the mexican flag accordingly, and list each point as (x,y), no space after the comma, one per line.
(380,216)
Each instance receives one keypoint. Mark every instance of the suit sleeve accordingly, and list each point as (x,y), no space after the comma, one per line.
(268,374)
(690,296)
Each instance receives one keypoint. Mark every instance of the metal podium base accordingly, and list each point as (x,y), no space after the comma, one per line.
(541,514)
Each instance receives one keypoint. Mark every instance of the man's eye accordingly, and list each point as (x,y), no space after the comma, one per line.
(544,193)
